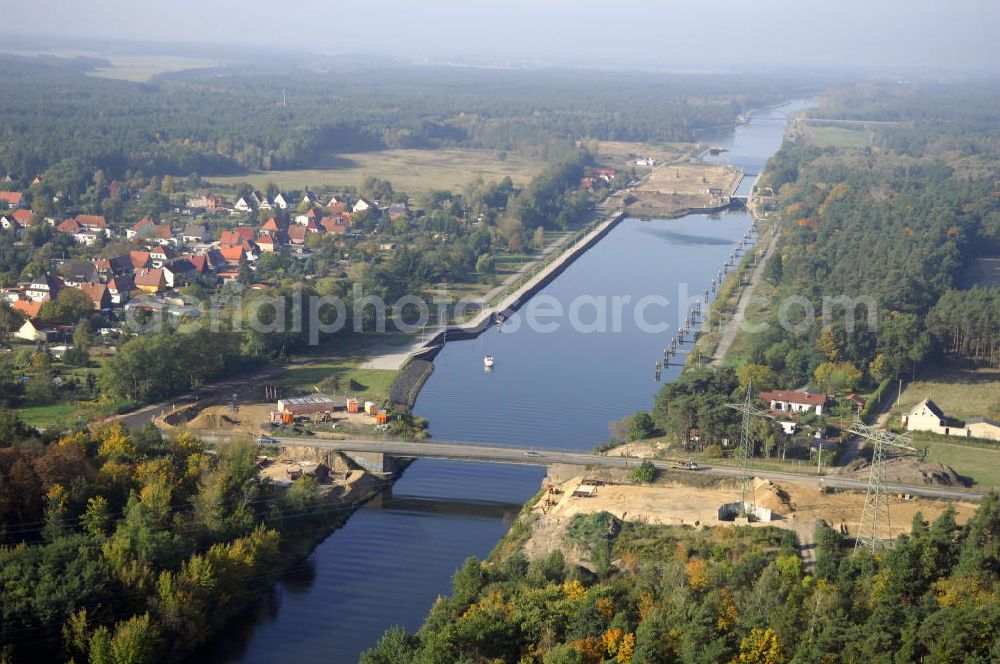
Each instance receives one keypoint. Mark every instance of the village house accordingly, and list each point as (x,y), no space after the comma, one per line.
(34,330)
(99,295)
(363,204)
(94,222)
(248,202)
(29,308)
(337,201)
(158,256)
(151,280)
(44,288)
(982,427)
(266,244)
(23,217)
(120,288)
(11,199)
(238,236)
(137,228)
(398,211)
(281,202)
(926,416)
(232,253)
(110,267)
(271,228)
(194,234)
(207,201)
(75,273)
(199,263)
(309,198)
(307,216)
(786,401)
(336,224)
(81,234)
(140,259)
(297,235)
(9,223)
(180,272)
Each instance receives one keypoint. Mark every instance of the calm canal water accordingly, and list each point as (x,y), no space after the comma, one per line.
(552,389)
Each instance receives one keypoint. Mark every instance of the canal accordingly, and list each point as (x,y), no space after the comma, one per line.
(558,382)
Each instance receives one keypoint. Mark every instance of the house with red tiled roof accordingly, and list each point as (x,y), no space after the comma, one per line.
(98,294)
(150,281)
(95,222)
(200,263)
(232,253)
(239,235)
(138,227)
(266,244)
(81,234)
(11,199)
(297,234)
(23,217)
(29,308)
(787,401)
(337,224)
(271,228)
(140,259)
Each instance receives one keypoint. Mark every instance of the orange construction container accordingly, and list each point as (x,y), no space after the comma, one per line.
(381,418)
(371,407)
(352,406)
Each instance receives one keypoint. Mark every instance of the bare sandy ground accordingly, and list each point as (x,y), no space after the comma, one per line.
(796,506)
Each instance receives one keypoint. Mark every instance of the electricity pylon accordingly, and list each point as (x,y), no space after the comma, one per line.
(877,500)
(748,499)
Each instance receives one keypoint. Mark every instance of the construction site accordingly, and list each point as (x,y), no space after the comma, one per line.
(288,415)
(673,190)
(791,505)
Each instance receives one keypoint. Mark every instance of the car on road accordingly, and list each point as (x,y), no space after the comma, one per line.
(266,440)
(532,453)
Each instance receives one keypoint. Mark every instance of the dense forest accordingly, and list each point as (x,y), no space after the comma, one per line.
(898,230)
(678,594)
(119,546)
(228,120)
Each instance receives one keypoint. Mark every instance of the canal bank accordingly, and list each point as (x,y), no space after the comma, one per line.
(560,388)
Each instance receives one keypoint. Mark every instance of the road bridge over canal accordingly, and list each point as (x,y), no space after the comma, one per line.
(378,455)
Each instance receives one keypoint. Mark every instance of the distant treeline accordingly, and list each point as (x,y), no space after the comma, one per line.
(227,121)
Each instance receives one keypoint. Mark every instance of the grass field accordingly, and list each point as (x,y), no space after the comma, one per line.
(47,415)
(408,170)
(343,360)
(141,68)
(837,137)
(979,463)
(960,392)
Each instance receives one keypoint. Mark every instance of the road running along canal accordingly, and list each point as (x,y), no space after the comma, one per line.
(558,389)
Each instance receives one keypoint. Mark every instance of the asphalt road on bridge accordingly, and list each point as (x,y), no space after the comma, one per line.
(532,456)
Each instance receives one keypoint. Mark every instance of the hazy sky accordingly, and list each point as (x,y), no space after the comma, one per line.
(669,33)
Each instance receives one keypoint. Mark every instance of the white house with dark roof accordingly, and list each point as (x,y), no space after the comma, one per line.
(927,416)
